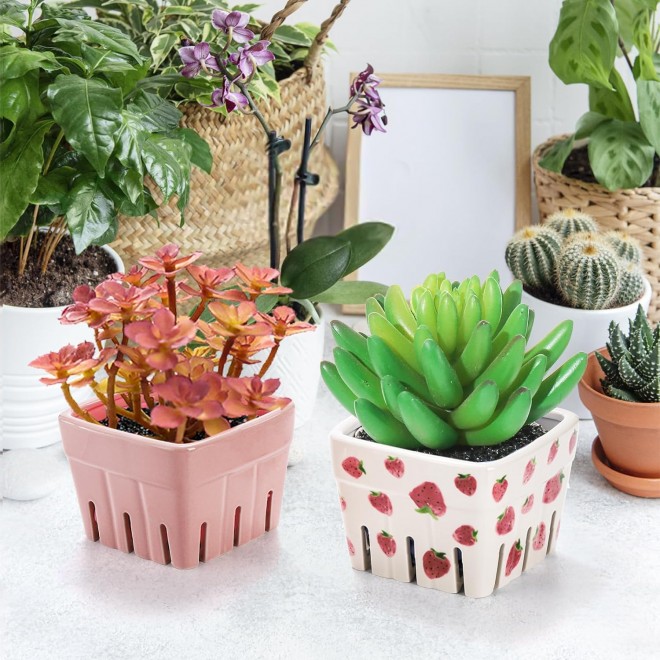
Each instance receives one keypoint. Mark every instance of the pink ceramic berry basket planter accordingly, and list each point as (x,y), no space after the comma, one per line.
(178,503)
(448,523)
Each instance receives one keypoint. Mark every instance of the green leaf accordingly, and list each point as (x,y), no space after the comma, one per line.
(15,62)
(53,188)
(20,163)
(625,13)
(20,98)
(98,59)
(168,162)
(200,154)
(161,47)
(555,157)
(12,13)
(266,302)
(643,39)
(89,112)
(588,123)
(288,34)
(648,101)
(350,293)
(155,113)
(614,103)
(367,239)
(314,265)
(585,43)
(129,181)
(620,155)
(90,212)
(129,142)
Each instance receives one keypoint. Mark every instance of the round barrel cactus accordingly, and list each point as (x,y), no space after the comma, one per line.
(532,254)
(570,221)
(626,247)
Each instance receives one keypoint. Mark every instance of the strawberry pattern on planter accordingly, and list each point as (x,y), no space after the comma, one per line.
(449,524)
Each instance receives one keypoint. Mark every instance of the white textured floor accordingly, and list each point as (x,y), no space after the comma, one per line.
(292,593)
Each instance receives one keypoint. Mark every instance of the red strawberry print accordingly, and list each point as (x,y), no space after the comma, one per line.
(505,521)
(572,442)
(552,488)
(466,483)
(435,564)
(529,470)
(527,504)
(395,466)
(342,503)
(353,466)
(387,543)
(428,498)
(538,542)
(381,502)
(514,557)
(351,547)
(465,535)
(552,454)
(499,488)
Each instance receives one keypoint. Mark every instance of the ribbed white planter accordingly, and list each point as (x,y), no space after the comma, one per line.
(30,409)
(450,524)
(589,330)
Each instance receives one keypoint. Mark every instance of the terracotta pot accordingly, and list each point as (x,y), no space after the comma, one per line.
(178,503)
(406,513)
(629,432)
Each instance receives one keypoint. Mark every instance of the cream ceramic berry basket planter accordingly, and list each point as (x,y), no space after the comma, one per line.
(178,503)
(415,516)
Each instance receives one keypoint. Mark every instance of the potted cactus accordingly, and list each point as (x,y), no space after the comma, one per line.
(571,269)
(621,387)
(182,456)
(453,469)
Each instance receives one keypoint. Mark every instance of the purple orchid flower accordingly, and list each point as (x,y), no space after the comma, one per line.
(369,117)
(195,58)
(225,96)
(247,59)
(233,24)
(365,83)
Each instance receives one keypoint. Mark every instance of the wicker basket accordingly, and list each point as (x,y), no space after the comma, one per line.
(227,215)
(636,211)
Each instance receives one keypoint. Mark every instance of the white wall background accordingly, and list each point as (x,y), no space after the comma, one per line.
(498,37)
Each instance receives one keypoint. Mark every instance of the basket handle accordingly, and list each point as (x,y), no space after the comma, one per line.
(315,49)
(279,17)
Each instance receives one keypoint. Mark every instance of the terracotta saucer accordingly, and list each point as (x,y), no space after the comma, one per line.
(638,486)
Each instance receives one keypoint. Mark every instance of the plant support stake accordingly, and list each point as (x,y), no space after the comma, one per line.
(306,179)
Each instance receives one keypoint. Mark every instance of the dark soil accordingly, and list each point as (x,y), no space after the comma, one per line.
(526,435)
(577,167)
(65,272)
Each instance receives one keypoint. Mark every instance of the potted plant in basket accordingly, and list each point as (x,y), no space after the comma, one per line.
(182,456)
(570,269)
(78,136)
(455,470)
(610,166)
(621,387)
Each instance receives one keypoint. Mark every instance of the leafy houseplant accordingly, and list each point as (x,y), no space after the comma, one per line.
(590,34)
(177,380)
(442,382)
(622,389)
(79,134)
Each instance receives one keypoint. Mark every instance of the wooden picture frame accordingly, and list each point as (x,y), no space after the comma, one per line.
(474,116)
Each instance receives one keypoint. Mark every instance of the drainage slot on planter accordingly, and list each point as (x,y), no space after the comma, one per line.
(410,547)
(202,542)
(93,521)
(458,562)
(550,543)
(269,504)
(528,540)
(366,548)
(128,532)
(237,524)
(500,560)
(166,544)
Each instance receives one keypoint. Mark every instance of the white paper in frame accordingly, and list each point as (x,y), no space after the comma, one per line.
(452,174)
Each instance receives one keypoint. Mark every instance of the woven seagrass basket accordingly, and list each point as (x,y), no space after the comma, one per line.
(227,215)
(635,211)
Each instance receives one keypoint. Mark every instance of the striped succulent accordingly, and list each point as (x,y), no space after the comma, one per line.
(450,367)
(632,373)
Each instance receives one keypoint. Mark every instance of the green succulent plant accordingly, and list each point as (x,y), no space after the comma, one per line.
(632,373)
(450,367)
(626,247)
(532,255)
(571,221)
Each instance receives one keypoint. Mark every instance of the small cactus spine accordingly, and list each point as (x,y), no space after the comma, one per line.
(631,284)
(570,221)
(626,247)
(532,254)
(588,273)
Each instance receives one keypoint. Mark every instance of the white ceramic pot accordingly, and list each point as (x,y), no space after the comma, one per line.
(30,409)
(448,523)
(589,330)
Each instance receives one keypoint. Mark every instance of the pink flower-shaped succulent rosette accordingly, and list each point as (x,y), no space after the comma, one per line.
(497,518)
